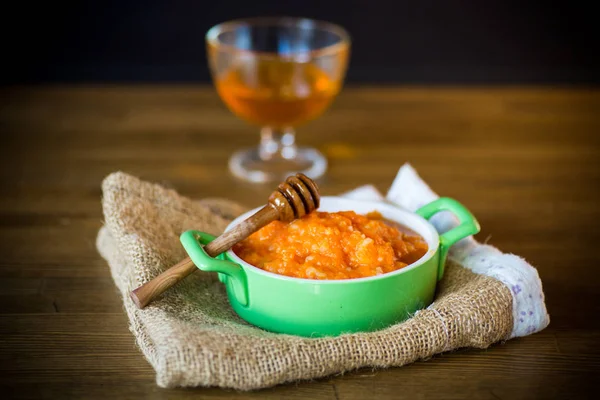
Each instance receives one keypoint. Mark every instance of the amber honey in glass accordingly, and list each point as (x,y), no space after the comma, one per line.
(278,74)
(280,94)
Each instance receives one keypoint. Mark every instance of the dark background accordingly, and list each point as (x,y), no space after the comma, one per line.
(423,42)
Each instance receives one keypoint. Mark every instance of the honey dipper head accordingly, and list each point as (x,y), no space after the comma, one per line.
(296,197)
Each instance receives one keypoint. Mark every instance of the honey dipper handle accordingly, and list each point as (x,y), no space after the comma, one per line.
(143,295)
(242,230)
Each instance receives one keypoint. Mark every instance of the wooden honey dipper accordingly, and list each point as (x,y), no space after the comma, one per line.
(293,199)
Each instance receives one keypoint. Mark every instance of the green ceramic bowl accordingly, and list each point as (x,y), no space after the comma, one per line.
(317,308)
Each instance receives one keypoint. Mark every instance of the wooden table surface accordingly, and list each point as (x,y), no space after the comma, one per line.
(526,161)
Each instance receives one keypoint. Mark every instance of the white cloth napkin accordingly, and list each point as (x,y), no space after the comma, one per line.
(529,309)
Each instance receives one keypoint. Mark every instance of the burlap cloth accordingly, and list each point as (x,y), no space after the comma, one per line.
(192,337)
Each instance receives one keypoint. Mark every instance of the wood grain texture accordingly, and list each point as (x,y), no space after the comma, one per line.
(525,161)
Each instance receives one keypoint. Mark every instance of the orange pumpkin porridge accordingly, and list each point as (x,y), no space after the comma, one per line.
(339,245)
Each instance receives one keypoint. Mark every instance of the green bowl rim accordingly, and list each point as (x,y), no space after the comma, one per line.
(421,261)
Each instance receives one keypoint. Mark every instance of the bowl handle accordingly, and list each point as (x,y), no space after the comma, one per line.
(194,241)
(468,225)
